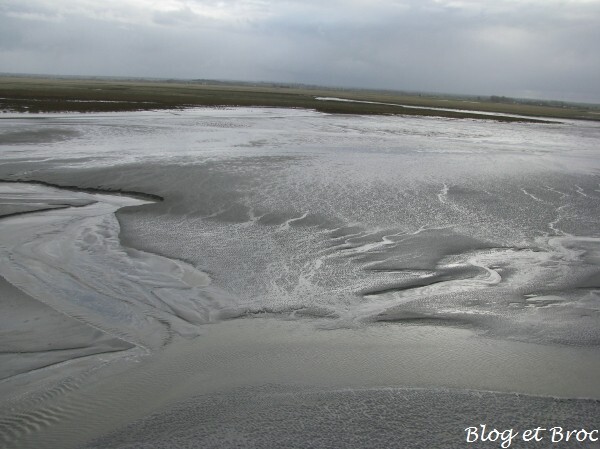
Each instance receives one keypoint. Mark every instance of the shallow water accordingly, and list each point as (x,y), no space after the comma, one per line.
(375,252)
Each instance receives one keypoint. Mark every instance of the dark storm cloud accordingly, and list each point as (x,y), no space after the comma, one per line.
(507,47)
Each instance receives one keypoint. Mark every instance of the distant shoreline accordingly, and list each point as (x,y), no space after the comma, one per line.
(37,94)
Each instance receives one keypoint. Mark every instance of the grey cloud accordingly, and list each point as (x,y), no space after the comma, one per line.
(545,49)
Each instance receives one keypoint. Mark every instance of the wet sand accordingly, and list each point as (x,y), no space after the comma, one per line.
(34,336)
(308,281)
(276,364)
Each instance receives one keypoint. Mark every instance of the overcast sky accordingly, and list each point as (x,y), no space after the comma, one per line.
(526,48)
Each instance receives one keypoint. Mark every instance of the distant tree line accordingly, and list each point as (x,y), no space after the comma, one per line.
(553,103)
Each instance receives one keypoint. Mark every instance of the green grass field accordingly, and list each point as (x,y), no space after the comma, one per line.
(37,94)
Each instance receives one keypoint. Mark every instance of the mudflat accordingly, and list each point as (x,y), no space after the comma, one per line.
(293,278)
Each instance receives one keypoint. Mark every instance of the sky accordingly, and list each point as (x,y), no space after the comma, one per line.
(545,49)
